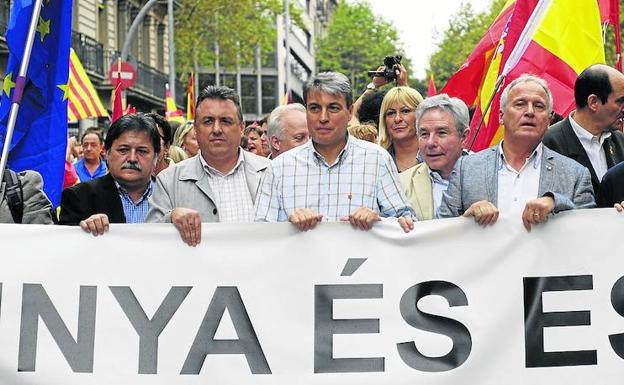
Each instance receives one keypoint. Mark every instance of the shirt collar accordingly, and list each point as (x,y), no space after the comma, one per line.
(214,172)
(146,194)
(437,178)
(535,158)
(341,155)
(586,136)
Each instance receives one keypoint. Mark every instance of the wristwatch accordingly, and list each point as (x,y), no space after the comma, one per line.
(371,86)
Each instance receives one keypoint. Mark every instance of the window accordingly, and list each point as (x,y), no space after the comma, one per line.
(248,91)
(160,47)
(269,94)
(102,20)
(146,40)
(121,23)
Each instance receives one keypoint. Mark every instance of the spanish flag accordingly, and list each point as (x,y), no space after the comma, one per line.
(83,99)
(553,39)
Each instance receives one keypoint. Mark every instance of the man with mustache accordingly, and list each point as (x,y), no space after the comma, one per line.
(521,177)
(589,135)
(121,196)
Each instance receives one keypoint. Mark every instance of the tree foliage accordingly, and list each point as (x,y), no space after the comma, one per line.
(465,30)
(356,42)
(237,26)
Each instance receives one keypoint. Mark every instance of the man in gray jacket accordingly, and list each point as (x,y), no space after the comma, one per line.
(24,192)
(520,177)
(217,185)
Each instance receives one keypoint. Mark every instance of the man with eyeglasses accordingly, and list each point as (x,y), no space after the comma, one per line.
(219,184)
(332,177)
(520,177)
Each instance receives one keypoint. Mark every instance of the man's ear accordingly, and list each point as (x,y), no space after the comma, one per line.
(466,136)
(593,101)
(500,117)
(275,143)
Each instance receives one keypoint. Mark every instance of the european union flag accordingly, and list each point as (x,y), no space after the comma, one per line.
(40,134)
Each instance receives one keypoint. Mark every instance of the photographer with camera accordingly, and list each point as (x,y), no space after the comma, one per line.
(366,107)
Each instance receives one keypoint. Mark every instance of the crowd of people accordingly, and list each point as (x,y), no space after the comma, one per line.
(388,154)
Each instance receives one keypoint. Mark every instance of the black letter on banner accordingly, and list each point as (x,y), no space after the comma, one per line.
(325,326)
(535,320)
(36,303)
(247,343)
(617,300)
(149,329)
(462,341)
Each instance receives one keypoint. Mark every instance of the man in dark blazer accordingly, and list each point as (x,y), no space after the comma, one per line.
(121,196)
(587,135)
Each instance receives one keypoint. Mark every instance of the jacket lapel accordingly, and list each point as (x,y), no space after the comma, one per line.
(547,172)
(198,174)
(253,173)
(575,149)
(115,207)
(420,185)
(491,176)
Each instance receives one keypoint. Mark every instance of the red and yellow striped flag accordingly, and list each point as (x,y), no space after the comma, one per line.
(172,114)
(83,99)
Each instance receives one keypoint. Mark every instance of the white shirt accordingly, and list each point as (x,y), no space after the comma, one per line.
(516,188)
(438,186)
(231,192)
(593,147)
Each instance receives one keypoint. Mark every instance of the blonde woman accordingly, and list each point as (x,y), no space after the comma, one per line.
(397,126)
(185,139)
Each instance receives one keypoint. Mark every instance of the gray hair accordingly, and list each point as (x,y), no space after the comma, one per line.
(455,106)
(275,119)
(527,78)
(333,83)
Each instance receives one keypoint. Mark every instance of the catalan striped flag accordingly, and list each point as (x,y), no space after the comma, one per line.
(83,99)
(554,39)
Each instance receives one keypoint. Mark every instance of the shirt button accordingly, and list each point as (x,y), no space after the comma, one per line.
(515,199)
(214,211)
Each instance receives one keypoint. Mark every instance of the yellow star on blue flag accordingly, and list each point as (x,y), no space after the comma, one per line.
(43,28)
(8,84)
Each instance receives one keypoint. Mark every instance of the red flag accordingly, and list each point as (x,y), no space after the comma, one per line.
(117,103)
(190,97)
(431,89)
(610,14)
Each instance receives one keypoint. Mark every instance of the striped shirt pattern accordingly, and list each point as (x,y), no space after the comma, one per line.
(231,192)
(135,212)
(363,175)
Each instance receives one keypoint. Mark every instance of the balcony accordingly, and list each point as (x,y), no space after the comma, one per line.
(97,61)
(90,52)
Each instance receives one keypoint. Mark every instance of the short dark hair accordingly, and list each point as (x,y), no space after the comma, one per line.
(138,122)
(95,131)
(220,93)
(593,80)
(166,127)
(371,108)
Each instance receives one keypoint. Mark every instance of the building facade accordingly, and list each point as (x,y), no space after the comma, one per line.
(263,87)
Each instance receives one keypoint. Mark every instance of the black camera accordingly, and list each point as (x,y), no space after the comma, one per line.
(391,64)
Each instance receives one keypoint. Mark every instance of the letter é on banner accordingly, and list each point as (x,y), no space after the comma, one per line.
(78,353)
(247,343)
(462,341)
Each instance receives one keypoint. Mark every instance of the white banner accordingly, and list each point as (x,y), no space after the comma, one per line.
(449,303)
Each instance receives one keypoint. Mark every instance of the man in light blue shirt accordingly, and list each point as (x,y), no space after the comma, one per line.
(334,176)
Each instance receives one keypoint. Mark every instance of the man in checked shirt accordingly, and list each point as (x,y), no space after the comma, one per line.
(333,176)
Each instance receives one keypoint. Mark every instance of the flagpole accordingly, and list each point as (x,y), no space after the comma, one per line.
(20,83)
(497,86)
